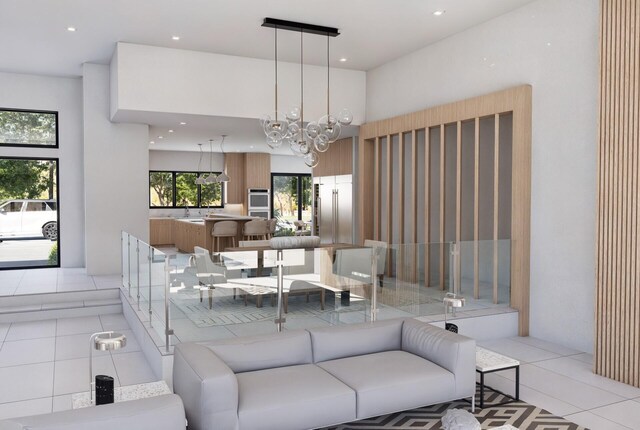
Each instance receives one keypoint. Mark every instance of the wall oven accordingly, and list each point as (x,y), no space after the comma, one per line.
(259,202)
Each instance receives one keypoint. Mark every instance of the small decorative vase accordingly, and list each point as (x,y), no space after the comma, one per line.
(104,389)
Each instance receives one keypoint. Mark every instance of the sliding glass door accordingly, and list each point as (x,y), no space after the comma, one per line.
(29,227)
(291,200)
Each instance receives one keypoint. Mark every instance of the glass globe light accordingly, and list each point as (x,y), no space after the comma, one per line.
(294,129)
(327,121)
(345,117)
(313,130)
(293,114)
(333,132)
(312,159)
(274,139)
(281,126)
(264,119)
(295,148)
(321,143)
(305,146)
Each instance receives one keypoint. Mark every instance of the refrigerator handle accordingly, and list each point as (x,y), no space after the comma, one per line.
(336,217)
(318,214)
(333,215)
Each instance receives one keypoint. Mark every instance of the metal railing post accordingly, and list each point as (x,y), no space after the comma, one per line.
(280,262)
(374,284)
(455,255)
(121,259)
(138,272)
(167,289)
(129,261)
(150,258)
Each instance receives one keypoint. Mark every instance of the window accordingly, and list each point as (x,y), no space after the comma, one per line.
(179,190)
(28,128)
(28,213)
(291,197)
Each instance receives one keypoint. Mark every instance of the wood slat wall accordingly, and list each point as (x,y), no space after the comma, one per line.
(617,337)
(374,170)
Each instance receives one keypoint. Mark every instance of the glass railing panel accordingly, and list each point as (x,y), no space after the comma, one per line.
(124,259)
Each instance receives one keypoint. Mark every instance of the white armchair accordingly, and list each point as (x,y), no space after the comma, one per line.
(208,273)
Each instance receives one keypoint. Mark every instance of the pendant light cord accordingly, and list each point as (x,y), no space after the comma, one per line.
(276,57)
(328,88)
(301,86)
(210,157)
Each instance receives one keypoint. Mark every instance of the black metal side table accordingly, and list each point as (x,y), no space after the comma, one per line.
(489,362)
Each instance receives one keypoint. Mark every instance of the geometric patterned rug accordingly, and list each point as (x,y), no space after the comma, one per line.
(518,414)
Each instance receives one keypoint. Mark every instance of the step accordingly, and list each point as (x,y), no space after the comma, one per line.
(36,307)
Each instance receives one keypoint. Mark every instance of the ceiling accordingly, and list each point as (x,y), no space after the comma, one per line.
(373,32)
(243,134)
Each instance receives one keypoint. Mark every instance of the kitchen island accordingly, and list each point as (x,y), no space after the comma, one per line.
(185,233)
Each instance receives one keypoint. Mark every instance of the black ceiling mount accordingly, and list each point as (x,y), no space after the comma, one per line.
(281,24)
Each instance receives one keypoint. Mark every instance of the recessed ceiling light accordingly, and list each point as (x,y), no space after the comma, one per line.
(251,147)
(342,60)
(170,131)
(152,142)
(183,123)
(160,137)
(439,12)
(548,43)
(71,29)
(175,37)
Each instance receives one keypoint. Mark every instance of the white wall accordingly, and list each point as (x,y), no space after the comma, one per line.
(289,164)
(552,45)
(153,79)
(184,160)
(65,96)
(116,169)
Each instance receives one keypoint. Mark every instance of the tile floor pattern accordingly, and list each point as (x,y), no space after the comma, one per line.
(54,280)
(43,362)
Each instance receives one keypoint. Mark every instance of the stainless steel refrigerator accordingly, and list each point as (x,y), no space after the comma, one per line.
(333,208)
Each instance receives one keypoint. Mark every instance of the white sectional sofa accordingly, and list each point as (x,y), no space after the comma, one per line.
(320,377)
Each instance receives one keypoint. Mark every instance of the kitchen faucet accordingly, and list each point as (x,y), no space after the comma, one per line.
(186,211)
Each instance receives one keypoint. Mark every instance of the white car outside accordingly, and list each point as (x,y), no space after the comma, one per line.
(29,218)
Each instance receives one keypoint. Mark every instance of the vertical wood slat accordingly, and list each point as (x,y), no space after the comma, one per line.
(458,266)
(442,202)
(476,209)
(400,257)
(617,345)
(389,201)
(427,207)
(376,189)
(496,203)
(414,205)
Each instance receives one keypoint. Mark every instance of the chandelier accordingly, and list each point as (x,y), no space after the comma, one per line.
(306,140)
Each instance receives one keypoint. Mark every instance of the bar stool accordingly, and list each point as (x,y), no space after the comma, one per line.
(224,229)
(273,222)
(256,229)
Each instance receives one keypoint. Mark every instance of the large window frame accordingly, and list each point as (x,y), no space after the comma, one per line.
(27,145)
(56,160)
(299,191)
(177,205)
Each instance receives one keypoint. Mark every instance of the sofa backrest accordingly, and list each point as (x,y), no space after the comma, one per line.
(330,343)
(153,413)
(245,354)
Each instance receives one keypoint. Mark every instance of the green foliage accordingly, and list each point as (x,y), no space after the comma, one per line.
(211,195)
(186,189)
(27,128)
(161,184)
(27,179)
(53,254)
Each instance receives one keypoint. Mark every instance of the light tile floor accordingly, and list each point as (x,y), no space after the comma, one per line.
(36,281)
(561,381)
(43,362)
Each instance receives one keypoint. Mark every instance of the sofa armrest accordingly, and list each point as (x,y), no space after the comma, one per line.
(207,386)
(153,413)
(452,351)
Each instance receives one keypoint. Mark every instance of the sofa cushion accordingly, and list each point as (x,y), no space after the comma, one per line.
(295,397)
(330,343)
(392,381)
(245,354)
(153,413)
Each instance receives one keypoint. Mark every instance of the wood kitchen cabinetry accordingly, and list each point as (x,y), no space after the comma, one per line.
(188,234)
(161,231)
